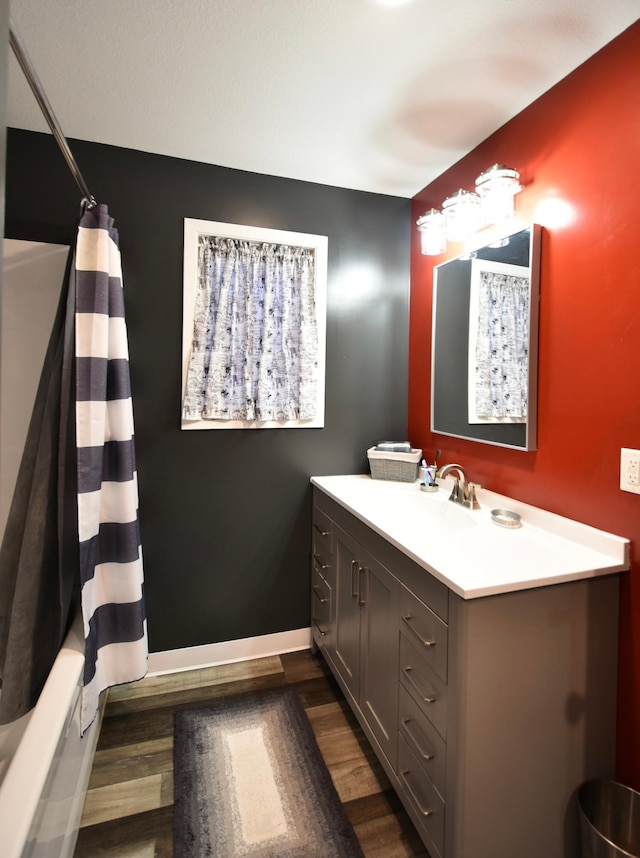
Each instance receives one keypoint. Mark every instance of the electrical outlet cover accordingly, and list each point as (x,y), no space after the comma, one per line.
(630,470)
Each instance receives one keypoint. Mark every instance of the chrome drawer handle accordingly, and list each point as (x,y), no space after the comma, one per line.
(424,812)
(318,629)
(321,531)
(316,593)
(406,671)
(361,600)
(414,741)
(320,563)
(407,620)
(355,566)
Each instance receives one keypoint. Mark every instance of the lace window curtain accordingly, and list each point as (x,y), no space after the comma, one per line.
(254,351)
(502,347)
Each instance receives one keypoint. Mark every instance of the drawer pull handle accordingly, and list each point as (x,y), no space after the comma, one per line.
(320,563)
(316,593)
(414,741)
(407,673)
(320,530)
(424,812)
(318,629)
(416,634)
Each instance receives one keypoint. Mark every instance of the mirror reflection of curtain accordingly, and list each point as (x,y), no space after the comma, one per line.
(255,344)
(500,321)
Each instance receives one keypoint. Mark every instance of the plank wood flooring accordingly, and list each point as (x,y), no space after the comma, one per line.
(128,811)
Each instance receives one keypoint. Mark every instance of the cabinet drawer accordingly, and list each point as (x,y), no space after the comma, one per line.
(426,687)
(320,607)
(427,631)
(427,804)
(321,529)
(424,740)
(323,562)
(322,532)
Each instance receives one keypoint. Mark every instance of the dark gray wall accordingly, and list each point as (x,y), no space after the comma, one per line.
(225,514)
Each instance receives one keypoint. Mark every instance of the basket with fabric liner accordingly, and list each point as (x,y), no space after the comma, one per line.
(400,467)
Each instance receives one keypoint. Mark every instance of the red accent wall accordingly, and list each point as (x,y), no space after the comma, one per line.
(578,152)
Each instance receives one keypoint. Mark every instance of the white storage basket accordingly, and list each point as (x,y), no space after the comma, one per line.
(401,467)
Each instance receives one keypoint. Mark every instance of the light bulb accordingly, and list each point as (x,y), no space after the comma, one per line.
(432,228)
(462,212)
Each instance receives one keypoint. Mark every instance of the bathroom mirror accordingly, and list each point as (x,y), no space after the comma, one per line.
(484,350)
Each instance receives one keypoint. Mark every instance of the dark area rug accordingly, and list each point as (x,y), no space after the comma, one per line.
(249,780)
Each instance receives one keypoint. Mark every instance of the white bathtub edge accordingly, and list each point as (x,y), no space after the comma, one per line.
(51,719)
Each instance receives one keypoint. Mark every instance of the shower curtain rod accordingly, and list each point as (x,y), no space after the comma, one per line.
(45,107)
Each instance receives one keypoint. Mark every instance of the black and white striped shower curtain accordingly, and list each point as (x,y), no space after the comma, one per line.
(73,521)
(108,529)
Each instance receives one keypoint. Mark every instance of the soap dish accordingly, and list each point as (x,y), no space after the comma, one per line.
(505,518)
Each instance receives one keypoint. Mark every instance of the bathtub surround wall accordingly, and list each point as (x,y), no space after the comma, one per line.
(577,152)
(225,515)
(39,550)
(32,276)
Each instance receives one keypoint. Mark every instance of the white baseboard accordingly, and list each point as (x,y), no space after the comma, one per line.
(227,652)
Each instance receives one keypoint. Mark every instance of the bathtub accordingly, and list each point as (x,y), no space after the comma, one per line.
(45,764)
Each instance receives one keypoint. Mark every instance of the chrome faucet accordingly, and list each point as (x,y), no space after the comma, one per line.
(463,492)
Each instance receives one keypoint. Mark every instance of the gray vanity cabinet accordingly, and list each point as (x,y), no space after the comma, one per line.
(487,713)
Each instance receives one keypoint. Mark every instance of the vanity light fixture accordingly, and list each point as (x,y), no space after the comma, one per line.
(433,232)
(465,211)
(496,188)
(462,213)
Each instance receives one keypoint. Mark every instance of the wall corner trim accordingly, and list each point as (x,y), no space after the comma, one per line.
(228,652)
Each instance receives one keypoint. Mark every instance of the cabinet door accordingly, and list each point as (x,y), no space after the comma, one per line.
(345,642)
(379,601)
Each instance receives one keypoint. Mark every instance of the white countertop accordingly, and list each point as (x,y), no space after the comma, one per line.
(465,550)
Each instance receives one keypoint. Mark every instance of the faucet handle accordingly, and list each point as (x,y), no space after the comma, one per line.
(471,500)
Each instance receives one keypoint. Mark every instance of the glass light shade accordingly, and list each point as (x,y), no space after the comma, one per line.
(497,188)
(433,235)
(462,213)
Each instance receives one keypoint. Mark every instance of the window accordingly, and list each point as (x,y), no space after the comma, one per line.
(254,321)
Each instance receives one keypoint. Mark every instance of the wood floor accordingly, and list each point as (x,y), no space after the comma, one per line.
(128,811)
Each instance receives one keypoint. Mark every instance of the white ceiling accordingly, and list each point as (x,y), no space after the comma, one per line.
(342,92)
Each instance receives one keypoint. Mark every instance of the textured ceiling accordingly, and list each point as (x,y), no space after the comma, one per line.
(342,92)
